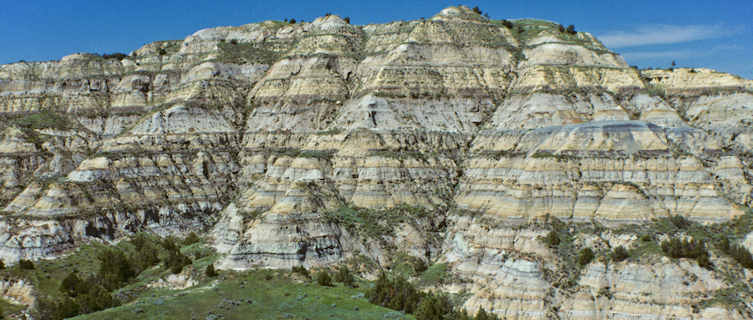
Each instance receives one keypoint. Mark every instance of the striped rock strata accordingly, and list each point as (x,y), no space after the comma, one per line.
(449,139)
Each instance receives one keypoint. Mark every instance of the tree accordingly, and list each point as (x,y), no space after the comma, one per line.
(552,239)
(507,24)
(323,278)
(674,63)
(114,268)
(26,264)
(585,256)
(190,239)
(477,10)
(292,20)
(571,29)
(433,307)
(175,260)
(620,254)
(693,249)
(344,276)
(483,315)
(302,271)
(210,272)
(72,285)
(347,20)
(394,293)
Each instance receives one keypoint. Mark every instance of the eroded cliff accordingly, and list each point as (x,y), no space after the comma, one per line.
(455,139)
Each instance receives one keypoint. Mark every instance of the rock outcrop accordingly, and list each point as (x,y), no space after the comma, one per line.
(456,139)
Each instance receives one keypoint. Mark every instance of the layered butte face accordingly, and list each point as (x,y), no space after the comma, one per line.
(452,139)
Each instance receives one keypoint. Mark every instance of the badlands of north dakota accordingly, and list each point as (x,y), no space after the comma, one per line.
(453,167)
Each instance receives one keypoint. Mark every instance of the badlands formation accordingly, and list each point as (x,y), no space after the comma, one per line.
(454,139)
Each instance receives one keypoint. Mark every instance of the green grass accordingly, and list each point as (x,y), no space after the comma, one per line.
(434,275)
(9,308)
(242,53)
(48,274)
(273,295)
(42,120)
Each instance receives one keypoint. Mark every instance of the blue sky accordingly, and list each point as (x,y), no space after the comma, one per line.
(715,34)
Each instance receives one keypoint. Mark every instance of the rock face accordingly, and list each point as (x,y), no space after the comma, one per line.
(452,139)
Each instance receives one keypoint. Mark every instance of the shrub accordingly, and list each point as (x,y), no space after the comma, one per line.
(347,20)
(737,252)
(26,264)
(585,256)
(561,29)
(344,276)
(114,268)
(72,285)
(620,254)
(433,307)
(292,21)
(394,293)
(477,10)
(483,315)
(174,260)
(210,272)
(552,239)
(302,271)
(419,265)
(190,239)
(323,278)
(693,249)
(680,222)
(507,24)
(116,56)
(146,253)
(571,29)
(2,265)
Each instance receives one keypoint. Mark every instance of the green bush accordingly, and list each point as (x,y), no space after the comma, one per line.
(585,256)
(395,293)
(80,296)
(115,269)
(693,249)
(210,272)
(477,10)
(344,276)
(483,315)
(571,29)
(552,239)
(190,239)
(146,253)
(72,285)
(116,56)
(174,259)
(507,24)
(434,307)
(620,254)
(302,271)
(323,278)
(26,264)
(737,252)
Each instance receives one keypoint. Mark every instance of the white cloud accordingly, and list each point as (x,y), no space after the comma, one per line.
(662,34)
